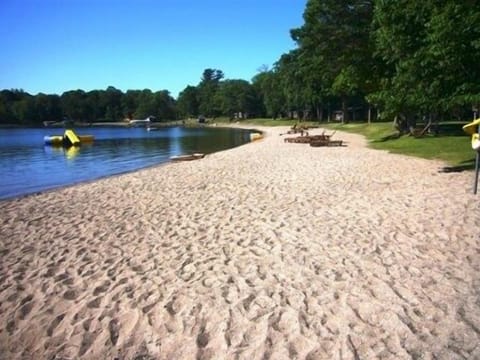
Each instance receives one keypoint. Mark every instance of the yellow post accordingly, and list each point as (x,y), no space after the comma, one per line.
(473,129)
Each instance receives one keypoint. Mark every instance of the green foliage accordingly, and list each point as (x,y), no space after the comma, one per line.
(334,44)
(187,102)
(270,91)
(235,96)
(431,50)
(207,90)
(18,107)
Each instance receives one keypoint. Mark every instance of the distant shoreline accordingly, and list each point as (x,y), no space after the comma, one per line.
(109,124)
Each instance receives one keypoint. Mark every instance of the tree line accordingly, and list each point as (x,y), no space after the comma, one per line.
(110,105)
(394,59)
(401,60)
(213,96)
(406,59)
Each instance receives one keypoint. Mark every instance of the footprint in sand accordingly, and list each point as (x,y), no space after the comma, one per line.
(26,306)
(102,288)
(10,327)
(203,337)
(54,324)
(95,303)
(70,295)
(87,341)
(114,330)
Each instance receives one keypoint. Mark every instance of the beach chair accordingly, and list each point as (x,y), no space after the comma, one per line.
(319,140)
(326,142)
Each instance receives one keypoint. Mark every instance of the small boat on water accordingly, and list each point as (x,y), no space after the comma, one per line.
(53,123)
(143,122)
(187,157)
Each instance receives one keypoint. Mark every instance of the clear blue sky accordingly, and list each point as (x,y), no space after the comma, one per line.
(52,46)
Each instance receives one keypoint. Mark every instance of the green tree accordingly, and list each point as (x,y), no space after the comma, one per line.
(235,97)
(24,109)
(431,50)
(7,99)
(335,42)
(269,89)
(164,105)
(207,89)
(96,110)
(290,80)
(453,50)
(111,101)
(187,102)
(47,108)
(146,105)
(74,105)
(130,103)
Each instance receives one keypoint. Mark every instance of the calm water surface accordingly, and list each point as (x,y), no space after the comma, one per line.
(27,166)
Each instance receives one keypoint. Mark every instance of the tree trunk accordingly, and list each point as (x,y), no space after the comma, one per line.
(402,123)
(411,124)
(344,110)
(319,113)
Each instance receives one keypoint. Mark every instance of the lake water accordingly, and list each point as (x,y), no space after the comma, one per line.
(28,166)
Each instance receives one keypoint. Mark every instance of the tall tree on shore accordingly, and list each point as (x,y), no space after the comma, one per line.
(74,105)
(47,107)
(335,42)
(164,106)
(207,89)
(24,109)
(111,102)
(146,104)
(268,87)
(288,73)
(235,97)
(431,50)
(187,102)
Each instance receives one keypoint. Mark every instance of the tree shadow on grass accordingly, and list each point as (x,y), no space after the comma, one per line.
(439,130)
(393,136)
(451,129)
(464,166)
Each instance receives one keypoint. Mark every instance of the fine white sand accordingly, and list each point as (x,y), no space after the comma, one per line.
(270,250)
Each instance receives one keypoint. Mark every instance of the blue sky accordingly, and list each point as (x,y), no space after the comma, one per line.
(52,46)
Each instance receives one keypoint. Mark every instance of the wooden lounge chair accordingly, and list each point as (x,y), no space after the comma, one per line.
(309,138)
(326,142)
(298,139)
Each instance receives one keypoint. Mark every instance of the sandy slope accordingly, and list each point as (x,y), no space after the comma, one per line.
(270,250)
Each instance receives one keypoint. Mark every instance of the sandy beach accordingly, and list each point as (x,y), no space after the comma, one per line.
(271,250)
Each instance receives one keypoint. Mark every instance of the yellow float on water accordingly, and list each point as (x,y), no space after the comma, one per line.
(69,138)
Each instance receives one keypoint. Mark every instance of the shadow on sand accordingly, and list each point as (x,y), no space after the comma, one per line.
(464,166)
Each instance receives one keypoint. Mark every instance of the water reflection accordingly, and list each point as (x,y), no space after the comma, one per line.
(28,166)
(70,153)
